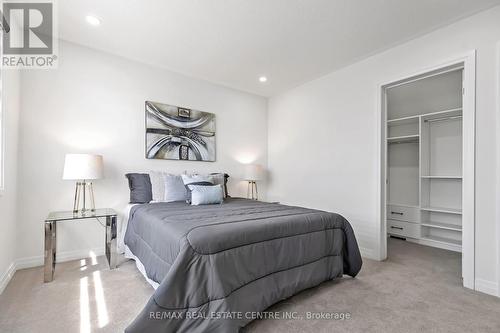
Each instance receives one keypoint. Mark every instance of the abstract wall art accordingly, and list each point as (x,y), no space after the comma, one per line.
(178,133)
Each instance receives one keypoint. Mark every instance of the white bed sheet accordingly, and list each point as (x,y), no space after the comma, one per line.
(122,228)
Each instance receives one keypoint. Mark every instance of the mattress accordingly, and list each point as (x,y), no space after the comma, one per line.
(238,257)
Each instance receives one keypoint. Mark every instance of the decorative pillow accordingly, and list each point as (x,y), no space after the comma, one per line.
(188,179)
(219,179)
(158,185)
(202,180)
(140,187)
(174,188)
(206,195)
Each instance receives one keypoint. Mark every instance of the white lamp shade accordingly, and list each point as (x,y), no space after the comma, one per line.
(83,167)
(253,172)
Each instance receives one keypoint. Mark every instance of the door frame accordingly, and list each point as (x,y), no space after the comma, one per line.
(468,60)
(498,164)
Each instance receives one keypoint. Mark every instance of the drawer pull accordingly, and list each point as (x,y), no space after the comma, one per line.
(399,228)
(397,213)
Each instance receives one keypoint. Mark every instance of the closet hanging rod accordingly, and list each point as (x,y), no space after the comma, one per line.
(398,142)
(443,118)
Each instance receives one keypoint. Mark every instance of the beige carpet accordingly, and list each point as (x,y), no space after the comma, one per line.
(417,290)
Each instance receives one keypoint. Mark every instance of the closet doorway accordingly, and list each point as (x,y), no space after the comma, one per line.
(427,160)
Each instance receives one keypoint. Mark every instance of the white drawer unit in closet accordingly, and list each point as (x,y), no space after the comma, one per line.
(403,213)
(403,229)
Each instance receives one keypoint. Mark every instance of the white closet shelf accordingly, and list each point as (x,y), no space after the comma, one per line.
(402,204)
(442,210)
(404,138)
(442,177)
(417,117)
(404,120)
(439,225)
(442,240)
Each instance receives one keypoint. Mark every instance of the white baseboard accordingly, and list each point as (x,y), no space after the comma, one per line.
(35,261)
(368,253)
(6,276)
(438,244)
(487,287)
(29,262)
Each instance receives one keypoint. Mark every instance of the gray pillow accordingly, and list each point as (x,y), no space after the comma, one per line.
(140,187)
(189,189)
(174,188)
(195,180)
(219,179)
(206,195)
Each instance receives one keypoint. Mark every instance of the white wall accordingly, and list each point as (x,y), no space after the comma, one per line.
(8,197)
(328,128)
(94,102)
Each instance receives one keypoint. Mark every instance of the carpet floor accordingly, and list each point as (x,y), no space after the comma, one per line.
(418,289)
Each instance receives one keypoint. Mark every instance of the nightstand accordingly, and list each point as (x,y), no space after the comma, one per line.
(69,216)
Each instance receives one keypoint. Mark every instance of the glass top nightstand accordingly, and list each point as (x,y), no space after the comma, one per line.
(50,235)
(70,215)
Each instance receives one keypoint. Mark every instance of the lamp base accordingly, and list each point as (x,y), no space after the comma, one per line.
(81,194)
(252,190)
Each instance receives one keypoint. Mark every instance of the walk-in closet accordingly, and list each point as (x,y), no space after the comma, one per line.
(424,137)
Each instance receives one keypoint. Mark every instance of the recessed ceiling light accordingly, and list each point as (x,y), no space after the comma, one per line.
(92,20)
(263,79)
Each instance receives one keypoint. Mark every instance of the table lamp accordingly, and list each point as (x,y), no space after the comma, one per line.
(253,173)
(83,168)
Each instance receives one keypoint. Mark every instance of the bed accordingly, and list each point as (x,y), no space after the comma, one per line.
(216,265)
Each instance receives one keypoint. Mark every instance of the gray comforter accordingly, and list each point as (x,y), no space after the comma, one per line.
(219,264)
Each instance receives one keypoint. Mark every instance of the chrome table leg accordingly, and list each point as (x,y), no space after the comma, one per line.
(50,251)
(111,241)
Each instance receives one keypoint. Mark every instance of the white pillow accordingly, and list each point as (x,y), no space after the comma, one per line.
(220,179)
(158,185)
(188,179)
(206,195)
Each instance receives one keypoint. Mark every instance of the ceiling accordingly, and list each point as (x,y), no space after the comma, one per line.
(234,42)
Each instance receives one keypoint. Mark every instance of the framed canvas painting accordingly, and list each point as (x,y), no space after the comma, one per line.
(178,133)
